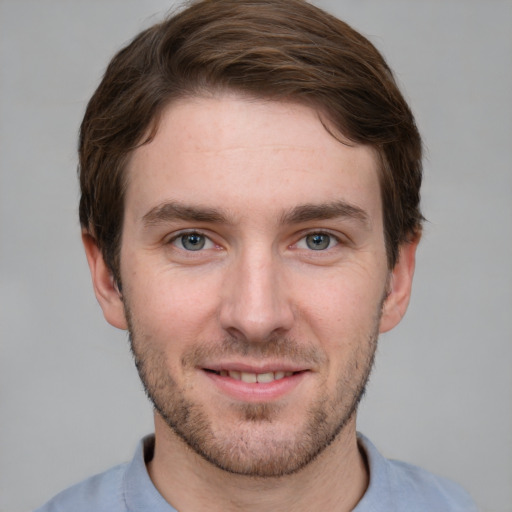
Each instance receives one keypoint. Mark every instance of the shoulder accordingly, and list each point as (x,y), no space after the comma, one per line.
(413,485)
(399,486)
(124,488)
(99,493)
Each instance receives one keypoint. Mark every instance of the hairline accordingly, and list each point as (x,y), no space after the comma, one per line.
(221,90)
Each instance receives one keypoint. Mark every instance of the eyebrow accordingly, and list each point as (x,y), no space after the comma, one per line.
(325,211)
(172,211)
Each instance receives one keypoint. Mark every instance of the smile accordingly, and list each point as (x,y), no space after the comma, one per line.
(244,385)
(252,378)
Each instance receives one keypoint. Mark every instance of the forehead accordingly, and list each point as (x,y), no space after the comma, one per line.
(249,155)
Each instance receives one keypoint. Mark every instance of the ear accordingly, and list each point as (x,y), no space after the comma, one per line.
(399,287)
(105,288)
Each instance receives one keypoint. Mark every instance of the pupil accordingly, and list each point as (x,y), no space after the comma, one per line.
(193,242)
(318,242)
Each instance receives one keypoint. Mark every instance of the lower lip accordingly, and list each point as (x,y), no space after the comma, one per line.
(255,392)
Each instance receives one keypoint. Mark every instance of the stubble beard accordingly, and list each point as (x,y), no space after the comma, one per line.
(252,446)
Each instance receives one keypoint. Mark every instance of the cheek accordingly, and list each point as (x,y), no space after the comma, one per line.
(341,309)
(168,306)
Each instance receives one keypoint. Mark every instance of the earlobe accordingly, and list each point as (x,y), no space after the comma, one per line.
(105,287)
(399,288)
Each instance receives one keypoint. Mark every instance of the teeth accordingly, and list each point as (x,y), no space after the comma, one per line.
(248,377)
(252,378)
(265,377)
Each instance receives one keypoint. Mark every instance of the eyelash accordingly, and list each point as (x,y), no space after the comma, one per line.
(332,242)
(304,239)
(183,234)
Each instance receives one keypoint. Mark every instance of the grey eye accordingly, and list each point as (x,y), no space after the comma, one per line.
(193,241)
(318,241)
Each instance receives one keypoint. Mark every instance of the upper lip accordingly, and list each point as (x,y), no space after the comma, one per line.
(258,369)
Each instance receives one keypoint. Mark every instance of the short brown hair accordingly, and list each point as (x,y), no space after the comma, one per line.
(273,49)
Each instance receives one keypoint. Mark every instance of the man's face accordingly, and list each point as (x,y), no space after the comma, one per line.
(254,275)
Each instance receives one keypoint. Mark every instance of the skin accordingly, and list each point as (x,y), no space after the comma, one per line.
(260,183)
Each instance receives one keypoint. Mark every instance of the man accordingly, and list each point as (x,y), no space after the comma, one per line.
(250,179)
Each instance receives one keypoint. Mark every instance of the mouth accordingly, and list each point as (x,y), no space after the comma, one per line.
(253,378)
(247,384)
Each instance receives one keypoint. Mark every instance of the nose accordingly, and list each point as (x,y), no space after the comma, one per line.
(255,302)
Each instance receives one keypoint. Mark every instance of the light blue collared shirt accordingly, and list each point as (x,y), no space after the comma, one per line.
(394,487)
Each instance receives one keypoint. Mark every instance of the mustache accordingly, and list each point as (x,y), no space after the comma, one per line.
(274,347)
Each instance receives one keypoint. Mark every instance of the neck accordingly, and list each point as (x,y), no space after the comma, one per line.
(336,480)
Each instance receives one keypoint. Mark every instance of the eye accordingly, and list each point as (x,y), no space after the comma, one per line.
(317,242)
(192,241)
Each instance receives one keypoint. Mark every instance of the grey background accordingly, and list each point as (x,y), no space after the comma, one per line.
(441,394)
